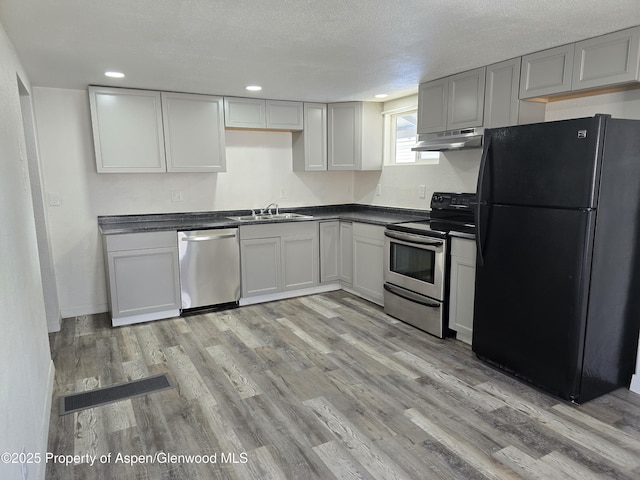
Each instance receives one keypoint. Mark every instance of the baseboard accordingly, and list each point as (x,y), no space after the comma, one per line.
(330,287)
(371,299)
(54,326)
(635,383)
(46,420)
(83,310)
(145,317)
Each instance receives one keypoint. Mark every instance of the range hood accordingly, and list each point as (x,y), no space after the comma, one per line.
(450,140)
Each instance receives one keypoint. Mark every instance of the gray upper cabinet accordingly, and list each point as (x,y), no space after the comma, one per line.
(310,144)
(127,130)
(257,113)
(501,94)
(354,136)
(193,132)
(466,99)
(245,112)
(547,73)
(502,108)
(141,131)
(432,106)
(284,115)
(607,60)
(452,103)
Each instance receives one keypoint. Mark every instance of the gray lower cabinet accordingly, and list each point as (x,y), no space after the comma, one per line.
(261,266)
(336,252)
(329,251)
(143,276)
(368,261)
(346,253)
(462,288)
(278,257)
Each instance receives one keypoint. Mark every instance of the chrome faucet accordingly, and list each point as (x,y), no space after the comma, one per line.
(267,209)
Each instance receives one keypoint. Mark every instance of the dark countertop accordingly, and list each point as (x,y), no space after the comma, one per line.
(115,224)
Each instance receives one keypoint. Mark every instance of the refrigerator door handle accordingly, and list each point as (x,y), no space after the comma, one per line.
(481,201)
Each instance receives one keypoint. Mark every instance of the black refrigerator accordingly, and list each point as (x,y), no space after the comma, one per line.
(557,300)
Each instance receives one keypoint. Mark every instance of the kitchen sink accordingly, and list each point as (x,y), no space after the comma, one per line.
(266,216)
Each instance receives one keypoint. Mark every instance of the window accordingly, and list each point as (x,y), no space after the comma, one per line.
(402,135)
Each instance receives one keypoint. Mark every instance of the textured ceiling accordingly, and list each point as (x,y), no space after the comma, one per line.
(315,50)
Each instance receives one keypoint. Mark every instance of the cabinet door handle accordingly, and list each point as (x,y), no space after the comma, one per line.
(407,237)
(411,296)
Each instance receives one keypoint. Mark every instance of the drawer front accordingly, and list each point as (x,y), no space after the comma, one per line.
(138,241)
(374,232)
(461,247)
(279,229)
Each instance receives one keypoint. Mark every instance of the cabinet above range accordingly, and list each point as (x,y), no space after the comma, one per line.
(453,111)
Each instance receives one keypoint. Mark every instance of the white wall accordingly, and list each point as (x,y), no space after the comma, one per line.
(400,184)
(26,369)
(259,172)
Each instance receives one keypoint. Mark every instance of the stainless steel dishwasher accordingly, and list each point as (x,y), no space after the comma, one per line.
(209,267)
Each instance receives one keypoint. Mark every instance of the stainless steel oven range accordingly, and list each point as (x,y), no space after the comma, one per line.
(417,261)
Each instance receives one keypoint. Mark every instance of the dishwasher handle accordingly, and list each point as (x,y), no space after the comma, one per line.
(204,238)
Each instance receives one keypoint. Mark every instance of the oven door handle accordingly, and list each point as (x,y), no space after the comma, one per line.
(412,297)
(407,237)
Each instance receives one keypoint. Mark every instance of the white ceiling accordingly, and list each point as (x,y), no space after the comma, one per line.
(314,50)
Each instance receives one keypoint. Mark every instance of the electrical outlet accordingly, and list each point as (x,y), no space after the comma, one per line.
(283,193)
(177,196)
(378,190)
(54,200)
(422,191)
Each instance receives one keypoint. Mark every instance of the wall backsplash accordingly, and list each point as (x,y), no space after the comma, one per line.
(457,171)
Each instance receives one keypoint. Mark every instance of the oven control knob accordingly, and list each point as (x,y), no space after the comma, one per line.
(438,198)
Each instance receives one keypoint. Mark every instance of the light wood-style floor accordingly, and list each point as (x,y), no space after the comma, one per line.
(321,387)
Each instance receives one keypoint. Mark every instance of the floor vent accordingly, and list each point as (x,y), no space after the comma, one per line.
(114,393)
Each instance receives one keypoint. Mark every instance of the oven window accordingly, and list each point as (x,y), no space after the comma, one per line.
(412,262)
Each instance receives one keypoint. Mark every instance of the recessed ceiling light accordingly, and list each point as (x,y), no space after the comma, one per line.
(382,95)
(254,88)
(114,74)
